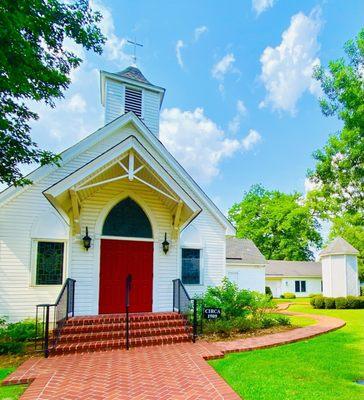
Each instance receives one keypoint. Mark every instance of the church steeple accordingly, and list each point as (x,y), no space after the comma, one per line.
(130,91)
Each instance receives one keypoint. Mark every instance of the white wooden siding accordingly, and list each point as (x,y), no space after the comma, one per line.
(151,102)
(114,104)
(114,100)
(250,277)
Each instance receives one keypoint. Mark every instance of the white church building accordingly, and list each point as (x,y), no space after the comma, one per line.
(119,204)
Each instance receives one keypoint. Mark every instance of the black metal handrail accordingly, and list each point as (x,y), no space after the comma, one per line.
(127,305)
(183,304)
(49,325)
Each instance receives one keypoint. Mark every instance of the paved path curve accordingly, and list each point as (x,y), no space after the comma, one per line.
(178,371)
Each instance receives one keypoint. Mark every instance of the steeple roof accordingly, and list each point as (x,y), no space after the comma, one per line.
(338,246)
(133,73)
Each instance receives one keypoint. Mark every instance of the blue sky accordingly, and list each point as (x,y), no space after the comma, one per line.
(240,107)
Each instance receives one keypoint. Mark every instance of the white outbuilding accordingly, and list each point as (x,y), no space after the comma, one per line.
(340,269)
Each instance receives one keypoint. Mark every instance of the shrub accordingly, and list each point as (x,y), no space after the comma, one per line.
(361,301)
(11,347)
(318,302)
(341,302)
(268,292)
(329,302)
(13,336)
(288,295)
(361,291)
(270,320)
(314,295)
(220,326)
(353,302)
(234,302)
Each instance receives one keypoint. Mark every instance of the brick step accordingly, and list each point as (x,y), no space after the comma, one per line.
(114,335)
(119,318)
(85,347)
(89,328)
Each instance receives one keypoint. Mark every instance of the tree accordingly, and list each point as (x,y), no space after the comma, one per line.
(281,226)
(35,66)
(339,171)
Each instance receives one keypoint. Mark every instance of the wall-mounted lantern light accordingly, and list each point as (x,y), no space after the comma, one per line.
(86,240)
(165,244)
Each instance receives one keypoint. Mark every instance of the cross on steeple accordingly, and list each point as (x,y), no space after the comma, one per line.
(135,44)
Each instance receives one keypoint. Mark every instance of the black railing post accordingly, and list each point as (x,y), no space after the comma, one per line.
(174,295)
(46,333)
(194,320)
(68,298)
(73,297)
(127,300)
(179,297)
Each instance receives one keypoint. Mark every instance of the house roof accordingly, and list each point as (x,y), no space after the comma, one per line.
(134,74)
(293,268)
(338,246)
(243,251)
(149,139)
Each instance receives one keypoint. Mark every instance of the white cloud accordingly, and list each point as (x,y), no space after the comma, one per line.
(179,46)
(76,103)
(196,141)
(223,66)
(199,31)
(241,111)
(114,46)
(260,6)
(252,138)
(287,69)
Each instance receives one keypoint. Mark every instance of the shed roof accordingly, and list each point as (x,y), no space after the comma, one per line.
(133,73)
(293,268)
(338,246)
(243,251)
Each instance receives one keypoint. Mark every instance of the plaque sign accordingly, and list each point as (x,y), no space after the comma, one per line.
(212,313)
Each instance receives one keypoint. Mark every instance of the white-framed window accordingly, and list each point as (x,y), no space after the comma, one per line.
(300,286)
(192,249)
(191,266)
(48,262)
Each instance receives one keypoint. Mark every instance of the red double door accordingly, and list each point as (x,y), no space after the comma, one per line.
(119,258)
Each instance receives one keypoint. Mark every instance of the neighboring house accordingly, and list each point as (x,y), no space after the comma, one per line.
(245,264)
(335,275)
(299,277)
(118,204)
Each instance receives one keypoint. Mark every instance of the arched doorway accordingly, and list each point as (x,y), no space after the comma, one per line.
(126,248)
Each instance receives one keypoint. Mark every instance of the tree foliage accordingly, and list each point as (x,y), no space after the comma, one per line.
(339,171)
(35,66)
(281,226)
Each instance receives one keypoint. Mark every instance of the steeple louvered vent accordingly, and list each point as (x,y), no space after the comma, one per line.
(133,100)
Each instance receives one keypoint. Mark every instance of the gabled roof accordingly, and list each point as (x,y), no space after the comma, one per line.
(338,246)
(151,140)
(243,251)
(133,73)
(293,268)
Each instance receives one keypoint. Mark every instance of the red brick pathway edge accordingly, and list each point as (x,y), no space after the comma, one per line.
(59,377)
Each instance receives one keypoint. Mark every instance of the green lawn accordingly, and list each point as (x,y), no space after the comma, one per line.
(322,368)
(10,392)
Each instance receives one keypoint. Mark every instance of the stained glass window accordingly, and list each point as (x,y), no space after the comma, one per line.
(127,219)
(191,266)
(49,263)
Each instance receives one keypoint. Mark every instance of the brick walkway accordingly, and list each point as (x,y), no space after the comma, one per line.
(177,371)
